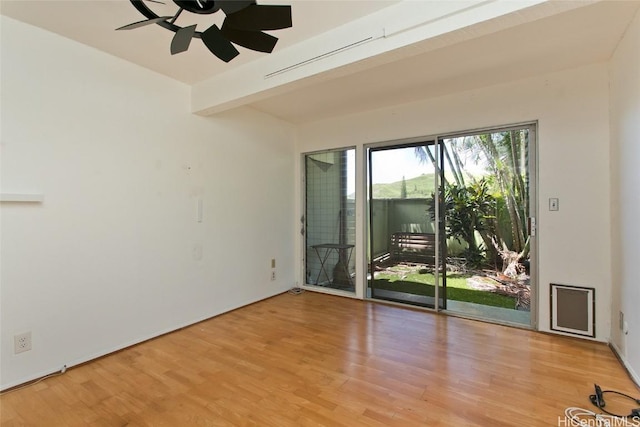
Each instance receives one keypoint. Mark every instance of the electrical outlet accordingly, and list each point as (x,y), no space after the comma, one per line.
(22,342)
(273,275)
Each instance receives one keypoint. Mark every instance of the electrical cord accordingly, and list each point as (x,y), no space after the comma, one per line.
(598,400)
(34,382)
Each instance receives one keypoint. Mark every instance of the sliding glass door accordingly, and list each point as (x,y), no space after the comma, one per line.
(450,220)
(405,262)
(488,199)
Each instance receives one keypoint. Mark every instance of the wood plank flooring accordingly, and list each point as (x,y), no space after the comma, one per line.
(314,359)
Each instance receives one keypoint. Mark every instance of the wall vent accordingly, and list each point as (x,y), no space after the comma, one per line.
(573,310)
(319,57)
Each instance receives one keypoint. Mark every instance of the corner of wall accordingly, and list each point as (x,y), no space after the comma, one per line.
(624,103)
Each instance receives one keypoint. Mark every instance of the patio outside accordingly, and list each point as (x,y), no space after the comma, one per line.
(484,203)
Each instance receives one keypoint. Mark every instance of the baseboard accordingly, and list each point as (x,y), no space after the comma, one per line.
(634,376)
(28,380)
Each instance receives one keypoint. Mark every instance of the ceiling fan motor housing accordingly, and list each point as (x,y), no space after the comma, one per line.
(203,7)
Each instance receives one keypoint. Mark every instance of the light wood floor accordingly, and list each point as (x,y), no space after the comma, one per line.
(314,359)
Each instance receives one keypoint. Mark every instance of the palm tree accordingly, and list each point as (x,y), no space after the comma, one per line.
(503,154)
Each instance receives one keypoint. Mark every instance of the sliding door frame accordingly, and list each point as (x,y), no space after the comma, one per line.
(532,127)
(368,212)
(532,167)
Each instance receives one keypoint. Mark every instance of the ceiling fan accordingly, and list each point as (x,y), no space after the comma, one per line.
(244,23)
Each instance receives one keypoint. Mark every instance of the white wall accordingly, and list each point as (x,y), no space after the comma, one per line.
(572,110)
(115,255)
(625,172)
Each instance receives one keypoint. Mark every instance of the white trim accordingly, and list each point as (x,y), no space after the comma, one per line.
(634,375)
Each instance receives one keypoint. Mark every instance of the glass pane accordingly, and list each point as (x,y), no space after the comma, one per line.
(486,207)
(330,219)
(402,234)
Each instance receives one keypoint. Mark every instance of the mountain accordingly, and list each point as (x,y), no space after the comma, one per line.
(422,186)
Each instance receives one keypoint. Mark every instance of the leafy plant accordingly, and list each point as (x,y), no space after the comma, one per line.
(468,209)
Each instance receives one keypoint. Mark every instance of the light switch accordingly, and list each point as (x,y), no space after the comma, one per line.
(554,204)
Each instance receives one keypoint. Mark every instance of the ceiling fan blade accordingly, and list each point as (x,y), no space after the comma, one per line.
(260,17)
(254,40)
(233,6)
(144,23)
(182,39)
(218,44)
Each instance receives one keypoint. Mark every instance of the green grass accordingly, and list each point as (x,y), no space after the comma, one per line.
(457,288)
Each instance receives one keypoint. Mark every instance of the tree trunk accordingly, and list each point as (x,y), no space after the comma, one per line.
(510,259)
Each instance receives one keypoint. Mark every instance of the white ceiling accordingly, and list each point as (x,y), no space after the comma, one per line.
(93,22)
(580,36)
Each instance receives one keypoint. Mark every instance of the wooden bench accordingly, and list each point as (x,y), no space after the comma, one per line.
(413,247)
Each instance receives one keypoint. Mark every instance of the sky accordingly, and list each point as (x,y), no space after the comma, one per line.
(391,165)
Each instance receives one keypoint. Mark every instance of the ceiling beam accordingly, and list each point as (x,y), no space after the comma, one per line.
(398,31)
